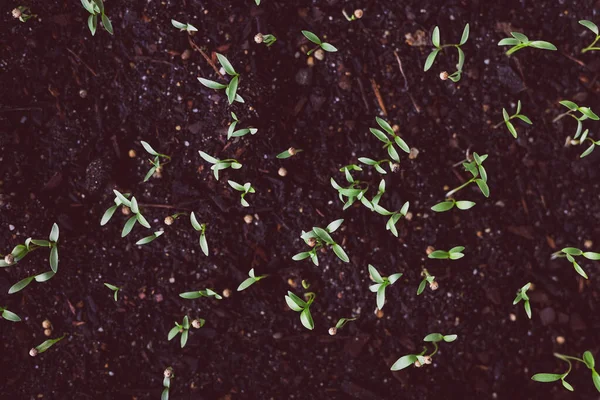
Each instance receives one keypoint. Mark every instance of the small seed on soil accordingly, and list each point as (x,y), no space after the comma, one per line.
(379,314)
(414,153)
(434,285)
(292,151)
(33,352)
(320,55)
(16,13)
(186,54)
(169,220)
(248,219)
(258,38)
(226,293)
(9,259)
(310,61)
(512,317)
(409,216)
(277,335)
(83,93)
(196,324)
(444,76)
(292,283)
(332,331)
(560,340)
(429,250)
(282,171)
(132,153)
(168,372)
(358,13)
(47,332)
(125,210)
(46,324)
(588,244)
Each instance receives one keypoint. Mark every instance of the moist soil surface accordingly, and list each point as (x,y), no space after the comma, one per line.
(74,106)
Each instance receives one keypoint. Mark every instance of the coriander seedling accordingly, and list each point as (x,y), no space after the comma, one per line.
(219,165)
(381,282)
(377,164)
(267,39)
(357,14)
(45,346)
(23,283)
(250,281)
(340,324)
(9,315)
(23,13)
(157,166)
(479,173)
(95,8)
(394,216)
(232,87)
(201,293)
(289,153)
(427,279)
(149,239)
(586,113)
(588,360)
(245,189)
(320,44)
(189,28)
(319,238)
(168,376)
(594,28)
(389,144)
(522,295)
(451,203)
(582,140)
(202,229)
(571,252)
(435,40)
(303,307)
(115,290)
(519,41)
(507,118)
(454,253)
(231,132)
(184,329)
(122,200)
(21,250)
(257,2)
(421,359)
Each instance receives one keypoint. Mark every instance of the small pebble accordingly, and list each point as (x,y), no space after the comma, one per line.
(226,293)
(132,153)
(560,340)
(186,54)
(46,324)
(588,244)
(512,317)
(282,171)
(83,93)
(248,219)
(414,153)
(11,227)
(277,335)
(320,55)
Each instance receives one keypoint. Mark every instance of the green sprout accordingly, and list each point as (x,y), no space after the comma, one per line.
(202,229)
(421,359)
(44,346)
(479,173)
(377,164)
(189,28)
(148,239)
(588,360)
(394,216)
(594,28)
(232,87)
(427,279)
(320,44)
(168,375)
(356,15)
(571,252)
(435,40)
(381,282)
(184,329)
(340,324)
(23,283)
(389,144)
(257,2)
(522,295)
(266,38)
(303,307)
(582,140)
(231,132)
(319,238)
(219,165)
(21,250)
(454,253)
(519,41)
(95,8)
(115,290)
(156,164)
(9,315)
(23,13)
(122,200)
(250,281)
(451,203)
(507,118)
(288,153)
(245,189)
(201,293)
(586,113)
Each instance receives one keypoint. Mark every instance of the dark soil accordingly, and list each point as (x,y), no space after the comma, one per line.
(63,154)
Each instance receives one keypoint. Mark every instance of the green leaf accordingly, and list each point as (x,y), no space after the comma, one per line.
(332,227)
(434,337)
(596,380)
(149,174)
(527,307)
(292,304)
(323,235)
(511,129)
(212,84)
(589,113)
(569,104)
(122,198)
(435,37)
(149,239)
(92,24)
(178,25)
(381,297)
(443,206)
(579,270)
(572,251)
(439,254)
(54,258)
(465,35)
(385,125)
(508,42)
(194,222)
(520,37)
(404,362)
(588,151)
(339,251)
(546,377)
(226,65)
(379,135)
(232,89)
(134,206)
(483,187)
(375,276)
(236,186)
(10,316)
(149,148)
(22,284)
(173,332)
(450,338)
(54,233)
(312,37)
(191,295)
(590,25)
(394,277)
(184,338)
(47,344)
(301,256)
(588,358)
(88,5)
(402,144)
(43,277)
(128,226)
(421,287)
(540,44)
(107,24)
(461,62)
(590,255)
(328,47)
(430,59)
(464,204)
(307,319)
(393,153)
(165,394)
(245,284)
(111,287)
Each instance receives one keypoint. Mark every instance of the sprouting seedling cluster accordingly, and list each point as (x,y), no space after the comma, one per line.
(427,279)
(594,28)
(132,205)
(522,296)
(168,376)
(149,238)
(381,283)
(44,346)
(571,252)
(157,166)
(115,290)
(587,360)
(200,293)
(449,204)
(202,229)
(9,315)
(339,325)
(231,132)
(435,40)
(245,189)
(95,8)
(583,138)
(184,329)
(418,360)
(23,13)
(586,113)
(189,28)
(378,164)
(319,238)
(507,118)
(303,307)
(520,41)
(479,175)
(320,44)
(218,165)
(454,253)
(232,87)
(288,153)
(389,143)
(266,38)
(251,280)
(20,251)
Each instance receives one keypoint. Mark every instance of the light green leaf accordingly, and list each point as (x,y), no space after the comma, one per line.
(54,258)
(173,332)
(465,35)
(245,284)
(443,206)
(292,304)
(375,276)
(572,251)
(435,37)
(332,227)
(434,337)
(212,84)
(590,25)
(404,362)
(312,37)
(508,42)
(328,47)
(381,297)
(546,377)
(430,59)
(339,251)
(54,233)
(306,319)
(22,284)
(540,44)
(464,204)
(45,276)
(204,244)
(439,254)
(10,316)
(194,222)
(122,198)
(591,255)
(226,65)
(107,24)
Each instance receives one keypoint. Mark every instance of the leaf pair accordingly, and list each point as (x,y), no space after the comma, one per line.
(182,329)
(517,114)
(435,39)
(318,238)
(381,282)
(202,229)
(389,143)
(250,281)
(9,315)
(454,253)
(451,203)
(288,153)
(245,189)
(200,293)
(156,162)
(184,27)
(571,252)
(303,307)
(522,295)
(410,359)
(315,39)
(594,28)
(95,8)
(588,360)
(232,87)
(231,132)
(219,165)
(115,290)
(520,41)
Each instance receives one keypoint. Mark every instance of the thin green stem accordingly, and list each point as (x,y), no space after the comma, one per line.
(434,351)
(450,193)
(564,114)
(591,46)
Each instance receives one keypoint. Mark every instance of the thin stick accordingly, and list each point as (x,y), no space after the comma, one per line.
(206,57)
(378,96)
(83,62)
(401,70)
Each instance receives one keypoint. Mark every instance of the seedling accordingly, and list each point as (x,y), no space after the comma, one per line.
(355,191)
(95,8)
(454,253)
(522,295)
(115,290)
(319,238)
(267,39)
(23,13)
(231,132)
(189,28)
(168,375)
(232,87)
(588,360)
(201,293)
(21,250)
(320,44)
(435,40)
(594,28)
(150,238)
(427,279)
(219,165)
(257,2)
(571,252)
(377,164)
(23,283)
(123,200)
(9,315)
(381,282)
(245,189)
(421,359)
(156,164)
(305,284)
(507,118)
(389,144)
(586,113)
(451,203)
(340,324)
(519,41)
(289,153)
(303,307)
(479,173)
(45,346)
(184,329)
(170,219)
(250,281)
(394,216)
(202,229)
(583,138)
(357,14)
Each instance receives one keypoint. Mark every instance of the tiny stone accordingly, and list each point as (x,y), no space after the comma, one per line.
(47,332)
(560,340)
(512,317)
(186,54)
(429,250)
(248,219)
(132,153)
(83,93)
(171,280)
(9,259)
(158,297)
(277,335)
(11,227)
(414,153)
(282,171)
(409,216)
(320,55)
(588,244)
(46,324)
(125,210)
(226,293)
